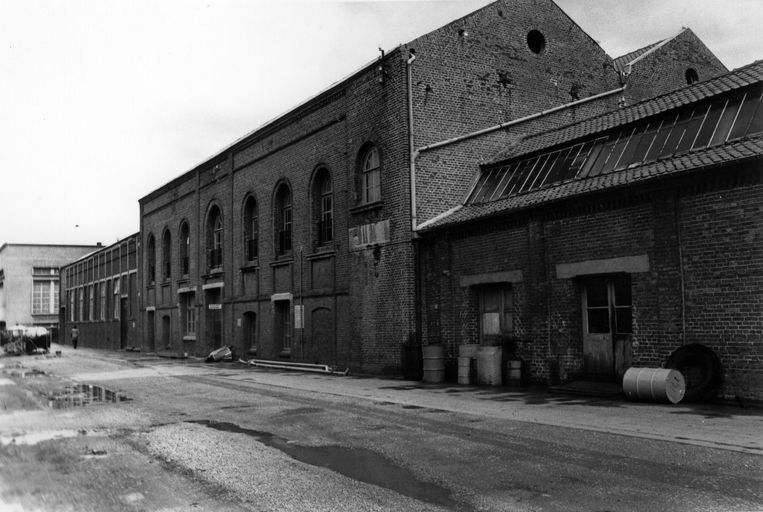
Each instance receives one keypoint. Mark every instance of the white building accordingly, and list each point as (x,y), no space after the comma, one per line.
(29,282)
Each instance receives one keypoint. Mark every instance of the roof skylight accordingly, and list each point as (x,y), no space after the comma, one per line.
(697,126)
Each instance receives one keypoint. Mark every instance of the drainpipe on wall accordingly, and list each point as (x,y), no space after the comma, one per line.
(679,241)
(413,153)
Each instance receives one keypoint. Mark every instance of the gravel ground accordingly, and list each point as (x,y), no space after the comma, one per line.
(265,478)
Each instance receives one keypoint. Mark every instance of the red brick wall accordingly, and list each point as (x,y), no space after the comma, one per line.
(722,239)
(478,71)
(708,232)
(117,261)
(366,296)
(664,70)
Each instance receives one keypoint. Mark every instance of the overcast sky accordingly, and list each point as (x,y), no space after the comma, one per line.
(103,101)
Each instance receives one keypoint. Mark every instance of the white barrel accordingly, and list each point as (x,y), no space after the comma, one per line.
(489,366)
(434,363)
(468,350)
(465,370)
(656,384)
(514,372)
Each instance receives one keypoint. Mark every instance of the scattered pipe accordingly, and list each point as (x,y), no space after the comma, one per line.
(303,367)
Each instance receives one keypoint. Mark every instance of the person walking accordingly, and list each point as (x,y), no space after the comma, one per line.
(75,336)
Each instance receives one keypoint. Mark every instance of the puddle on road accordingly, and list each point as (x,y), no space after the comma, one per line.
(32,438)
(356,463)
(22,373)
(80,395)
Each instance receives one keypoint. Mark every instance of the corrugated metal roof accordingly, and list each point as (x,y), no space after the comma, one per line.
(689,162)
(741,77)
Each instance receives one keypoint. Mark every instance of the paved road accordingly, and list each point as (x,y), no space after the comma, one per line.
(196,436)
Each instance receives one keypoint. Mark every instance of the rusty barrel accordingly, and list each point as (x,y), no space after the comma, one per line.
(654,384)
(434,363)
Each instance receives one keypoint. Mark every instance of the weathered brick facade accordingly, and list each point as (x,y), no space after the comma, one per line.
(111,318)
(714,272)
(685,247)
(345,287)
(669,66)
(352,302)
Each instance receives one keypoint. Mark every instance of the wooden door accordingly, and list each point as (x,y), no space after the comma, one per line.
(607,325)
(598,349)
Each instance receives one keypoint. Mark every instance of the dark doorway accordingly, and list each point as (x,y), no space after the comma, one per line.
(321,348)
(150,330)
(283,326)
(249,344)
(214,318)
(166,332)
(123,331)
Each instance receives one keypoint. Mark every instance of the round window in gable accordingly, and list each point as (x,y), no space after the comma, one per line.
(691,76)
(536,41)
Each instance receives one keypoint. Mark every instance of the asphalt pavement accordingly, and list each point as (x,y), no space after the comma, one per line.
(715,425)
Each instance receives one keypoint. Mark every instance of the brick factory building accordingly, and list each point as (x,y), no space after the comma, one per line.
(99,295)
(300,241)
(634,238)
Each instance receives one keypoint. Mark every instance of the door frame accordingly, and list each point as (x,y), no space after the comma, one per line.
(607,355)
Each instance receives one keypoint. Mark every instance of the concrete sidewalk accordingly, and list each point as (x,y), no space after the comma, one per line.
(718,426)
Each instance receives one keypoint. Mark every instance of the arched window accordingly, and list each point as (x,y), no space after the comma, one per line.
(370,178)
(167,255)
(283,219)
(185,248)
(151,258)
(323,207)
(215,238)
(251,229)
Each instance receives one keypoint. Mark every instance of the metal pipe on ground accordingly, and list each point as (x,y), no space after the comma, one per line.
(284,365)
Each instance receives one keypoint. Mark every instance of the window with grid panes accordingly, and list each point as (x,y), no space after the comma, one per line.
(189,314)
(215,239)
(283,217)
(115,298)
(704,124)
(185,242)
(151,258)
(102,315)
(251,229)
(167,255)
(371,176)
(323,205)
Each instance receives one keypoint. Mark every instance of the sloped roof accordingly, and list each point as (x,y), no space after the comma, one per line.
(735,151)
(741,77)
(713,156)
(621,63)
